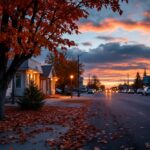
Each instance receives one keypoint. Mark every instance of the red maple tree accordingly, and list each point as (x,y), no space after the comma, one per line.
(28,26)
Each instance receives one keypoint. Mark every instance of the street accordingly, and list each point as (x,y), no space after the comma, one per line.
(101,121)
(124,120)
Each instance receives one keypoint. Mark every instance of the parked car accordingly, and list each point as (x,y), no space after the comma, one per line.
(146,91)
(99,90)
(139,91)
(83,89)
(125,91)
(58,91)
(91,91)
(131,91)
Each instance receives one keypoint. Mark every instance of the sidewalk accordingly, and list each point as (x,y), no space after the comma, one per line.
(50,127)
(61,101)
(57,100)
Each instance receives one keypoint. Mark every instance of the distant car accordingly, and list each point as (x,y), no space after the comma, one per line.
(91,91)
(83,90)
(100,90)
(131,91)
(139,91)
(58,91)
(125,91)
(146,91)
(108,90)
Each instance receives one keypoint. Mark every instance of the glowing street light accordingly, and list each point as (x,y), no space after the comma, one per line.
(71,78)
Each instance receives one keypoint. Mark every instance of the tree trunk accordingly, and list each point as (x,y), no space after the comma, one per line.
(7,76)
(2,102)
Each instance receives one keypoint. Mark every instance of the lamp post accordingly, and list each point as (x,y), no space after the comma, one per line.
(13,91)
(71,78)
(56,79)
(78,75)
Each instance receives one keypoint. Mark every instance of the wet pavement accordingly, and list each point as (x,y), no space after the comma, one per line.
(124,121)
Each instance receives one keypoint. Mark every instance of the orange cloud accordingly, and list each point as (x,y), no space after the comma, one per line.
(120,40)
(111,24)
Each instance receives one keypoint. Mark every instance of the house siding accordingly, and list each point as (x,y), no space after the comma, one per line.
(20,91)
(32,71)
(9,90)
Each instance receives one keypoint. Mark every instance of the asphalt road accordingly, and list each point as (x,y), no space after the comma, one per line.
(124,120)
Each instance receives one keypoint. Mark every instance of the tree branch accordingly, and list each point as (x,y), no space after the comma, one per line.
(35,10)
(15,64)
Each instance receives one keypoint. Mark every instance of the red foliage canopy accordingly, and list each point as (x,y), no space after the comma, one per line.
(27,26)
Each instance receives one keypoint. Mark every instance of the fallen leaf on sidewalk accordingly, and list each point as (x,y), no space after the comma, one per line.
(147,145)
(97,148)
(142,127)
(103,141)
(129,148)
(11,148)
(21,123)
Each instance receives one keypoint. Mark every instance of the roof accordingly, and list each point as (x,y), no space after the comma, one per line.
(146,80)
(31,64)
(47,69)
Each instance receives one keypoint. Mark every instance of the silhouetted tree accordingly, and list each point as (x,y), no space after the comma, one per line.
(137,82)
(145,74)
(95,83)
(102,87)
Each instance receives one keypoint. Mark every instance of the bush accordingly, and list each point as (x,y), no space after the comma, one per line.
(32,99)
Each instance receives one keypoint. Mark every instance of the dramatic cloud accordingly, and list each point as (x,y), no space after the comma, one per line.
(113,39)
(127,50)
(110,24)
(86,44)
(114,52)
(112,62)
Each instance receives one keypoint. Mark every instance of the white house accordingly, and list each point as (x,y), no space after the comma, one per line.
(32,70)
(48,80)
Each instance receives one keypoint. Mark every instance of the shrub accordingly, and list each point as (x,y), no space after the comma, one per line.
(32,99)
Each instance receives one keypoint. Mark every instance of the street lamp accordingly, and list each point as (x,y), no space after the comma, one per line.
(79,75)
(71,78)
(78,60)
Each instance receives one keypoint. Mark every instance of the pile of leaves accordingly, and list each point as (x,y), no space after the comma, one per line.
(79,133)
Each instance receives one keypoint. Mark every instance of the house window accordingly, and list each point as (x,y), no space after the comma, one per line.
(18,80)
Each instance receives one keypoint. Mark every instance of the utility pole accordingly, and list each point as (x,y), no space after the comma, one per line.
(89,79)
(128,82)
(78,75)
(145,74)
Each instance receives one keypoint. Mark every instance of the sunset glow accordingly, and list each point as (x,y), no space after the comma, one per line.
(113,46)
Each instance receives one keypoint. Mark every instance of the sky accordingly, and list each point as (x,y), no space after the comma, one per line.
(113,46)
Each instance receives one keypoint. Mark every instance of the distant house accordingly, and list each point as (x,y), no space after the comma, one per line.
(146,81)
(32,70)
(48,80)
